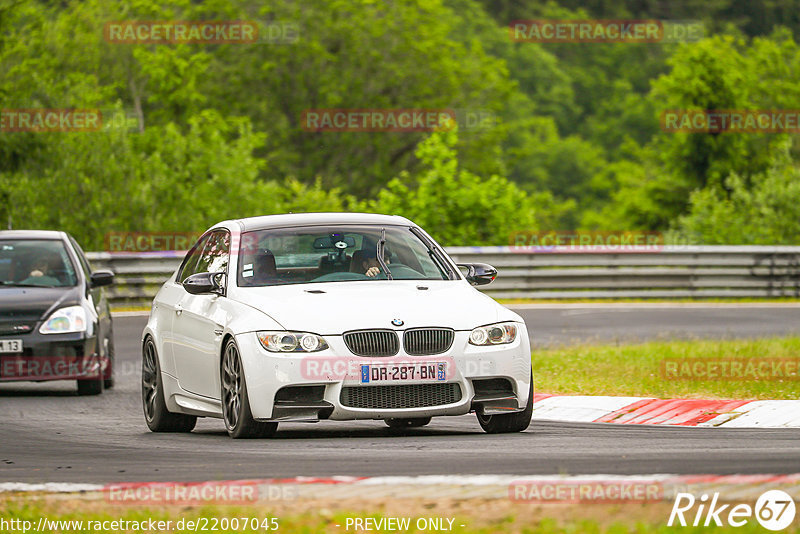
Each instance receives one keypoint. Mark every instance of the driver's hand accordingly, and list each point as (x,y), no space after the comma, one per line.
(36,273)
(372,272)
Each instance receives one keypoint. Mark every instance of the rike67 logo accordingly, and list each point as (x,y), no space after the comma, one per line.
(774,510)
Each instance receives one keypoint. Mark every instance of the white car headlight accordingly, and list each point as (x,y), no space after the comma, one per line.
(291,341)
(494,334)
(65,321)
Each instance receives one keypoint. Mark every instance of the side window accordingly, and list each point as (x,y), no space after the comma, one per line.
(215,254)
(190,261)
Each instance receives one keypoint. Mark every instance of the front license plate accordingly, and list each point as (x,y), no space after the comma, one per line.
(10,345)
(401,372)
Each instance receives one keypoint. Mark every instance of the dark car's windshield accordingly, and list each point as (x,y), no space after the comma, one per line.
(335,254)
(35,262)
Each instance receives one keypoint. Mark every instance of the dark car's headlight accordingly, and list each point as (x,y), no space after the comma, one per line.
(494,334)
(291,341)
(65,321)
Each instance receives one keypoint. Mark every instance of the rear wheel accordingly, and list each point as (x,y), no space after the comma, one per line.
(412,422)
(158,418)
(235,404)
(509,422)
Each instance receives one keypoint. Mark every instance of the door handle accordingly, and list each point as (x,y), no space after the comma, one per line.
(178,310)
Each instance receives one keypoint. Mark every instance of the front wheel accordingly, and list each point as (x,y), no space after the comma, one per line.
(235,404)
(509,422)
(158,418)
(92,386)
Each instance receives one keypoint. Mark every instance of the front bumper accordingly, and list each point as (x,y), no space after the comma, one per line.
(46,357)
(337,371)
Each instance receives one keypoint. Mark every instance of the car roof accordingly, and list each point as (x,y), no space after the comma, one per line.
(31,234)
(311,219)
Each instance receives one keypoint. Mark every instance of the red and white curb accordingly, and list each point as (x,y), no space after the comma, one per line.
(680,412)
(538,488)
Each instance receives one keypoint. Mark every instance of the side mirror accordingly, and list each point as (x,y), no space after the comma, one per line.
(101,278)
(479,274)
(202,283)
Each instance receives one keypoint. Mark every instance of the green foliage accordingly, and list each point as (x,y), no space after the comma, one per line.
(576,142)
(162,180)
(767,213)
(454,205)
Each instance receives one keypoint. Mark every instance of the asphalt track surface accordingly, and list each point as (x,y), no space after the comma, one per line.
(51,435)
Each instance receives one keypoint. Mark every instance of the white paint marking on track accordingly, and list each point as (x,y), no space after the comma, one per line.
(761,414)
(580,409)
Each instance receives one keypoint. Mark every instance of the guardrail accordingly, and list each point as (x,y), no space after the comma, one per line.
(555,273)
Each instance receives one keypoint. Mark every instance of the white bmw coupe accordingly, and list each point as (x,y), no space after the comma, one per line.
(339,316)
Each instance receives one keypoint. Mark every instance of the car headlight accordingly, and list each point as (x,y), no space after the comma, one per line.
(65,320)
(494,334)
(291,341)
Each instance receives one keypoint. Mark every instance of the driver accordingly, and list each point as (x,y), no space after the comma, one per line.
(40,273)
(370,263)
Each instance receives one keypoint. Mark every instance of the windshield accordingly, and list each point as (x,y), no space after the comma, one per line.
(335,254)
(35,262)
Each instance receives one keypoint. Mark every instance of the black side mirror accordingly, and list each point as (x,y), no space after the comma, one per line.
(101,278)
(201,283)
(479,274)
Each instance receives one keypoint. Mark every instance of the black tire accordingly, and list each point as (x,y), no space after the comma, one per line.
(411,422)
(235,404)
(156,415)
(108,383)
(92,386)
(510,422)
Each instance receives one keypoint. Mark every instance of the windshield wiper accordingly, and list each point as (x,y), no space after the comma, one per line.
(380,248)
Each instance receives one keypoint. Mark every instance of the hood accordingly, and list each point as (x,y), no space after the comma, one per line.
(336,307)
(34,303)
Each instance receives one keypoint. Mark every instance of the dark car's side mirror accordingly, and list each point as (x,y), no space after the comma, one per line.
(201,283)
(479,274)
(101,278)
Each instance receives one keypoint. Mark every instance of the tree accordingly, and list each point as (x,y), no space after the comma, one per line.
(456,206)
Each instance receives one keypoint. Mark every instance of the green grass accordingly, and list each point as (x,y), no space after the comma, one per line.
(635,370)
(478,516)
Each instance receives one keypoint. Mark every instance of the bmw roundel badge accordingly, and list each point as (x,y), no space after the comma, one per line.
(397,322)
